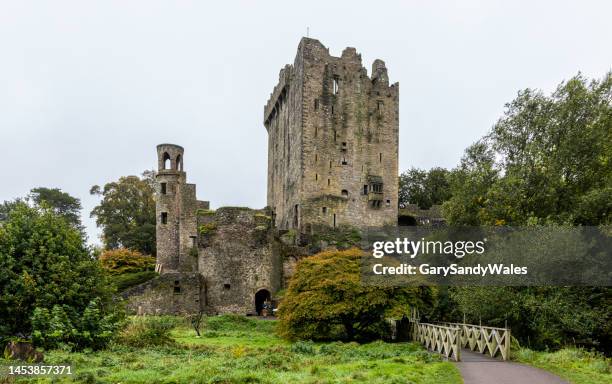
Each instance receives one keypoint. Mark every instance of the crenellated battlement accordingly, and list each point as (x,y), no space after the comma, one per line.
(331,128)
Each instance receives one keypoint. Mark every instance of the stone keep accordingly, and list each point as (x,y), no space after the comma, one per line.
(333,135)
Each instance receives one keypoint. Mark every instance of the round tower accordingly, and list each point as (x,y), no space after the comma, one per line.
(170,178)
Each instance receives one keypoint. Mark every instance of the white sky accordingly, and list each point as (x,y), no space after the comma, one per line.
(89,88)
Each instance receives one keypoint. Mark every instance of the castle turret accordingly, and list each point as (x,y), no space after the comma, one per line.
(169,178)
(176,207)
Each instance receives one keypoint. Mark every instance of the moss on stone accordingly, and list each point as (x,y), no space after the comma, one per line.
(342,237)
(205,212)
(208,228)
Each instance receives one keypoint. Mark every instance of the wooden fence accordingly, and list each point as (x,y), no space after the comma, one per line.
(439,338)
(482,339)
(448,338)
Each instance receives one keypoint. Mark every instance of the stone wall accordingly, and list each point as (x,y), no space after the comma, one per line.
(170,293)
(237,259)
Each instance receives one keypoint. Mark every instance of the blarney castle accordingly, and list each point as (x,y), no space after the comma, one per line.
(333,135)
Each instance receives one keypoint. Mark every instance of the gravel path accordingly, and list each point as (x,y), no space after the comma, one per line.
(476,368)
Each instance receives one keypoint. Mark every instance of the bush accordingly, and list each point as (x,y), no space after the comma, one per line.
(127,280)
(326,300)
(150,331)
(63,327)
(122,260)
(49,283)
(542,317)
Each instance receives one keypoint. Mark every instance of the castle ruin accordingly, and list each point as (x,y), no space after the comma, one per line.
(333,137)
(332,161)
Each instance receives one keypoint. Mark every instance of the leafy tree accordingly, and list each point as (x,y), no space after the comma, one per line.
(424,188)
(62,203)
(548,160)
(326,300)
(6,207)
(46,269)
(126,213)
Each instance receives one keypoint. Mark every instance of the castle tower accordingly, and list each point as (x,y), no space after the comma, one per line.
(176,207)
(333,136)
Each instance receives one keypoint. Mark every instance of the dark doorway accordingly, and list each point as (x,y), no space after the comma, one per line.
(406,221)
(261,297)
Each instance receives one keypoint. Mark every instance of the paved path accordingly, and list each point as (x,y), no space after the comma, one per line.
(476,368)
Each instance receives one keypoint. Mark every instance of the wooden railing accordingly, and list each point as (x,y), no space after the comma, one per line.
(482,339)
(448,338)
(439,338)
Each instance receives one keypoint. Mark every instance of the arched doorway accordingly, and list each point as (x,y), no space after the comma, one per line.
(260,298)
(406,221)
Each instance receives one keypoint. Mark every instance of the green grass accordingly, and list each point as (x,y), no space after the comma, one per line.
(575,365)
(236,349)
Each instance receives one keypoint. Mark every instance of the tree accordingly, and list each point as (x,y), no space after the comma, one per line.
(326,300)
(547,160)
(424,188)
(46,268)
(126,213)
(60,202)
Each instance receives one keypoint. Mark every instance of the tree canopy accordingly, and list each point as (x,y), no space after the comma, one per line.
(60,202)
(547,160)
(126,213)
(424,188)
(326,300)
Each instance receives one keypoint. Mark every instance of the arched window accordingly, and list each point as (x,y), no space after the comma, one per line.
(344,193)
(179,163)
(166,163)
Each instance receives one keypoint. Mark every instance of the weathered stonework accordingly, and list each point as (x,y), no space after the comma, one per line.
(212,261)
(333,137)
(170,293)
(332,162)
(237,260)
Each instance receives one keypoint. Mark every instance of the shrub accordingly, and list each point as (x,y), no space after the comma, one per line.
(63,327)
(49,282)
(148,331)
(122,260)
(326,300)
(127,280)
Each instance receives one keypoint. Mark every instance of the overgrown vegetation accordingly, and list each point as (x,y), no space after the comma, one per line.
(127,268)
(341,237)
(545,162)
(208,228)
(50,286)
(326,300)
(128,280)
(149,331)
(236,349)
(122,260)
(573,364)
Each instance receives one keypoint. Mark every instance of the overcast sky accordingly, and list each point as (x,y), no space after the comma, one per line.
(89,88)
